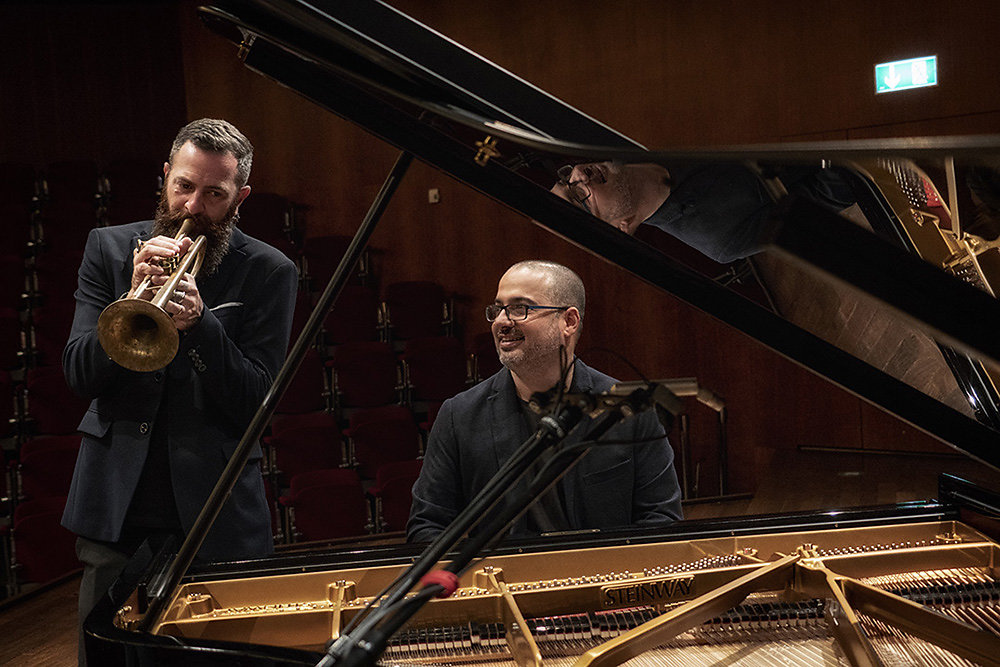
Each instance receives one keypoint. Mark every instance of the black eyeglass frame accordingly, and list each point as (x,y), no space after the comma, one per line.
(579,191)
(527,309)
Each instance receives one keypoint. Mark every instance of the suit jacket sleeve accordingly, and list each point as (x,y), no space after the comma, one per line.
(657,495)
(437,493)
(88,369)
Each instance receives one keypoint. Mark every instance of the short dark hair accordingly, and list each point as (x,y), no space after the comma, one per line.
(217,136)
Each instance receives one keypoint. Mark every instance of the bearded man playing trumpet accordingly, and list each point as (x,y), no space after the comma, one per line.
(158,435)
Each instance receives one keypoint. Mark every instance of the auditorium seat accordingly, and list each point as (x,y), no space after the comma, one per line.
(356,316)
(18,203)
(300,443)
(434,369)
(326,504)
(54,273)
(12,281)
(270,218)
(11,340)
(309,390)
(131,188)
(300,315)
(381,435)
(43,549)
(393,494)
(68,184)
(50,407)
(322,255)
(277,525)
(70,203)
(365,374)
(49,329)
(483,356)
(6,493)
(45,465)
(427,420)
(416,309)
(9,405)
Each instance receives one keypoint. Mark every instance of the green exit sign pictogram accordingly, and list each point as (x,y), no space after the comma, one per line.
(906,74)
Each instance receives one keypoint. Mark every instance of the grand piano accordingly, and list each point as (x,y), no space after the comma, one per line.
(914,583)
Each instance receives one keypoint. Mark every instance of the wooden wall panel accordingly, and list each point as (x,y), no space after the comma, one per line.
(724,71)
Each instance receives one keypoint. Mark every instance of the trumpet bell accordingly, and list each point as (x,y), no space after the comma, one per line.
(138,335)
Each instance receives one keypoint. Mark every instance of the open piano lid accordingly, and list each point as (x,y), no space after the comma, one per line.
(449,107)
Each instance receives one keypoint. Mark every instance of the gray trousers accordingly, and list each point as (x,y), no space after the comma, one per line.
(102,564)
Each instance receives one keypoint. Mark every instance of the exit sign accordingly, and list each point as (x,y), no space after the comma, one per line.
(906,74)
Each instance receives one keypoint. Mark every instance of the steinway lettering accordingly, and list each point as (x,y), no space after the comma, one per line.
(660,590)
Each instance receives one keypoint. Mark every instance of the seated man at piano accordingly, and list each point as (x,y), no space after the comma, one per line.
(537,318)
(722,210)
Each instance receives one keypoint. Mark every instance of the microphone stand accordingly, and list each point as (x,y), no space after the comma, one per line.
(363,646)
(356,647)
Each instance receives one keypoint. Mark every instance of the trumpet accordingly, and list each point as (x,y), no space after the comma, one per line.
(140,335)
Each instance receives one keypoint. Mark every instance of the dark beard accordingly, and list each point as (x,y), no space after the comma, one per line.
(217,232)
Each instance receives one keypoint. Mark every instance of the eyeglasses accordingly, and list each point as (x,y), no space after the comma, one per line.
(516,311)
(578,191)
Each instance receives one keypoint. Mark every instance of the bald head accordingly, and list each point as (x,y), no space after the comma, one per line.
(561,284)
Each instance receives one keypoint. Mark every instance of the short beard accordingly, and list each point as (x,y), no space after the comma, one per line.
(530,356)
(625,205)
(217,232)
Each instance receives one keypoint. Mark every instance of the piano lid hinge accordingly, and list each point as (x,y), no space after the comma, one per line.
(124,620)
(244,49)
(487,148)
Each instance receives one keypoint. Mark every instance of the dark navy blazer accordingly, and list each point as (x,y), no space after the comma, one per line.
(477,431)
(222,371)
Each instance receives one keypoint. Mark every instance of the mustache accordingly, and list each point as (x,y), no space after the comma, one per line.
(509,330)
(217,232)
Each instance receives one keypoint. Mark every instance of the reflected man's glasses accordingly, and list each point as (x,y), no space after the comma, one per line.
(516,311)
(578,191)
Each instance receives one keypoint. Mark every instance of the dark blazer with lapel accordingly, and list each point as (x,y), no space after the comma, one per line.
(477,431)
(223,368)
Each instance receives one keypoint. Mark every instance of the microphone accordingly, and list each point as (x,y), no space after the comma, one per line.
(678,387)
(629,397)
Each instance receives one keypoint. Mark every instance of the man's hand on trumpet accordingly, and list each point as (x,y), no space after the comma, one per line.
(148,257)
(185,305)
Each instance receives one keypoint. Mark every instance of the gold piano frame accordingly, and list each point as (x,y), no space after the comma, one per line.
(690,581)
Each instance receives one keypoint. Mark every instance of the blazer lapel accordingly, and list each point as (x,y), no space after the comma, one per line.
(214,289)
(506,420)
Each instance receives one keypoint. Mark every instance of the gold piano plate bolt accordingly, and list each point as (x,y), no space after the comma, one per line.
(198,604)
(483,578)
(949,538)
(808,550)
(487,148)
(342,591)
